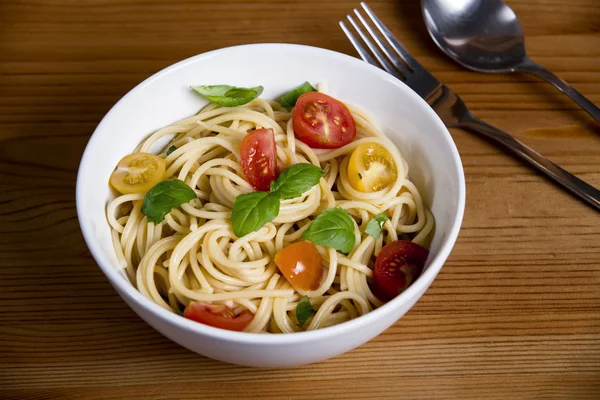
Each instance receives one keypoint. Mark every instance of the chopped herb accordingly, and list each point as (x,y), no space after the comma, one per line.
(375,225)
(289,100)
(304,310)
(171,149)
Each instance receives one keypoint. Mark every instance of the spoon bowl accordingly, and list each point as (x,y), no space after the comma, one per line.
(486,36)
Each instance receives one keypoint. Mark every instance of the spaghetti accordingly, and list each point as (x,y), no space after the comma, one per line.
(193,254)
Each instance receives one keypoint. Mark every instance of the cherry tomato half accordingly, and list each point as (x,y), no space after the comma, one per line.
(371,168)
(138,173)
(323,122)
(398,265)
(218,315)
(301,264)
(258,158)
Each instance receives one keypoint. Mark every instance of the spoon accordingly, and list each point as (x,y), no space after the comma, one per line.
(485,36)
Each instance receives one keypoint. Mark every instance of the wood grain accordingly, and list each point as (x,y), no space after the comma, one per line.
(515,312)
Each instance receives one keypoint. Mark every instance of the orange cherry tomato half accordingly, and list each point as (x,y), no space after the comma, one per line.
(398,265)
(301,264)
(323,122)
(218,315)
(258,158)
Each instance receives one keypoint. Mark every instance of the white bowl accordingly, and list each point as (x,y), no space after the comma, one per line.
(165,97)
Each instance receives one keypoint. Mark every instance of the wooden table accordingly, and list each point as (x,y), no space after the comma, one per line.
(515,312)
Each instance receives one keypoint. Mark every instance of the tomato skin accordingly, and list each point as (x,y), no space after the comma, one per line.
(301,265)
(258,157)
(218,316)
(323,122)
(398,265)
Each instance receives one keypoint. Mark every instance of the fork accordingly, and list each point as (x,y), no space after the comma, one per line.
(396,60)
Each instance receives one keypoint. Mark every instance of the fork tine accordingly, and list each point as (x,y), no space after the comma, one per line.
(397,60)
(364,54)
(391,39)
(391,57)
(382,60)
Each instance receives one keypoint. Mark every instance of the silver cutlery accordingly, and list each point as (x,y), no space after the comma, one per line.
(386,52)
(486,36)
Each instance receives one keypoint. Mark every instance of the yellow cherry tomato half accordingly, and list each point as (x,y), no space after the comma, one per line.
(138,173)
(371,168)
(301,264)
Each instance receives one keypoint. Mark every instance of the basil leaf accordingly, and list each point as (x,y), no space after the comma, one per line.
(333,228)
(304,310)
(289,100)
(251,211)
(375,225)
(171,149)
(296,180)
(179,312)
(163,197)
(228,96)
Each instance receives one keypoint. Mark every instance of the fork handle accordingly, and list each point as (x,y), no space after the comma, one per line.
(536,69)
(579,188)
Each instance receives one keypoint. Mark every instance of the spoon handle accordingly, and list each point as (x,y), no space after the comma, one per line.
(587,193)
(536,69)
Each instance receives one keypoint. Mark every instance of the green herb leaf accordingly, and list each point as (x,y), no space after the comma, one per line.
(251,211)
(304,310)
(296,180)
(375,225)
(333,228)
(171,149)
(228,96)
(163,197)
(289,100)
(179,312)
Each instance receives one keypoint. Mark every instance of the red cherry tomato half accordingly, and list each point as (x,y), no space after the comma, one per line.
(258,158)
(397,266)
(218,315)
(323,122)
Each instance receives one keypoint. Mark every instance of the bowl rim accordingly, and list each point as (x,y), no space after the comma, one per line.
(123,287)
